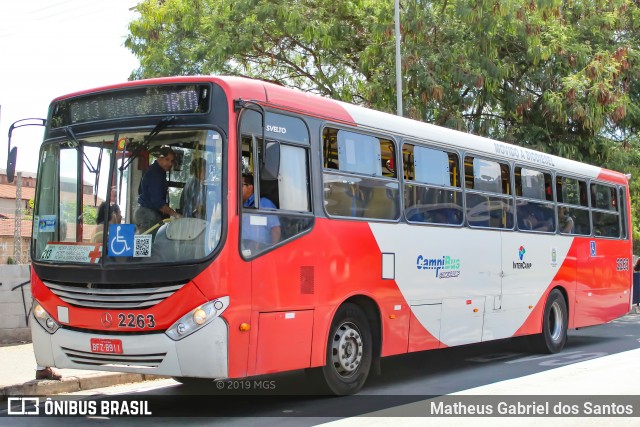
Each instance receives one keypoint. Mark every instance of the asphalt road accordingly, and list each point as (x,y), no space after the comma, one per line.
(288,399)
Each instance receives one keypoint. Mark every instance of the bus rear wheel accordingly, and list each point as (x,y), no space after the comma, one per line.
(349,352)
(554,325)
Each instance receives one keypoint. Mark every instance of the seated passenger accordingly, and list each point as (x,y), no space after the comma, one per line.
(192,199)
(260,235)
(535,220)
(112,217)
(565,222)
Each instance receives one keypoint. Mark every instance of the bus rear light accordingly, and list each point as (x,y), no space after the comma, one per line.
(43,318)
(197,318)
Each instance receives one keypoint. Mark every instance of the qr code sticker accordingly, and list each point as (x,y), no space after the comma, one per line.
(142,245)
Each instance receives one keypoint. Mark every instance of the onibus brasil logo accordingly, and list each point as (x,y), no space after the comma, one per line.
(445,266)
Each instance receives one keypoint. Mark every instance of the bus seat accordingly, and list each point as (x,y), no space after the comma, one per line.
(337,199)
(269,189)
(379,204)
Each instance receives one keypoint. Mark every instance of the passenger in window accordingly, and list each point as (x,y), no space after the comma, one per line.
(153,191)
(535,220)
(260,234)
(192,199)
(112,217)
(565,222)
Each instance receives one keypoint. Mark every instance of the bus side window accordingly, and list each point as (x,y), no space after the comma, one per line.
(283,208)
(534,209)
(488,195)
(573,214)
(433,193)
(358,175)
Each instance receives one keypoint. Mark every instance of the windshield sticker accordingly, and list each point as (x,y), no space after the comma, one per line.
(47,224)
(121,239)
(142,245)
(72,252)
(36,224)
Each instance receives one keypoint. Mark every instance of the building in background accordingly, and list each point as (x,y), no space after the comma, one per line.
(8,216)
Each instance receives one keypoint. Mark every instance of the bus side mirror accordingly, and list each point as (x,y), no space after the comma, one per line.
(12,153)
(270,161)
(11,163)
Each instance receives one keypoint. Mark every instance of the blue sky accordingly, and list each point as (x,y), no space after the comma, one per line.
(54,47)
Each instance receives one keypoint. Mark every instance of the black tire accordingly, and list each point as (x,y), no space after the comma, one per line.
(349,352)
(554,325)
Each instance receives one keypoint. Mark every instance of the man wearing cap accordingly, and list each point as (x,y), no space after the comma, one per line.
(152,193)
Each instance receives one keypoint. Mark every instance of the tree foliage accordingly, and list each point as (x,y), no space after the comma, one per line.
(557,76)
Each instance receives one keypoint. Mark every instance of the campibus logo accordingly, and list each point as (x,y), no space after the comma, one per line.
(445,267)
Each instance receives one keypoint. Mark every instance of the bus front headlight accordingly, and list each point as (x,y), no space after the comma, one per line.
(197,318)
(44,319)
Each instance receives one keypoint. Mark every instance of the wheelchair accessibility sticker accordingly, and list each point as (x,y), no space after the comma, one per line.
(121,239)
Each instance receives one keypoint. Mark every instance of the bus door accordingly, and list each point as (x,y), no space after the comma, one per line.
(276,215)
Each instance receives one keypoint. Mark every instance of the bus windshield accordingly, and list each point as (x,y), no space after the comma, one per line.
(88,194)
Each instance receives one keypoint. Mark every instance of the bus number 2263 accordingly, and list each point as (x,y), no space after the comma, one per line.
(139,321)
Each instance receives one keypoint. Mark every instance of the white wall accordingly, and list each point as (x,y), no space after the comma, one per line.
(14,304)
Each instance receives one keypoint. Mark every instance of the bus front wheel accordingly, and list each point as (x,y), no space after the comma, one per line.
(554,325)
(349,352)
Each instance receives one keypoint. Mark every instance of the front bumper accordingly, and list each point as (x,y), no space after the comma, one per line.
(203,354)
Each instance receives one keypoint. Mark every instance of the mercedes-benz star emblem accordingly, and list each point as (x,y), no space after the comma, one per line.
(106,320)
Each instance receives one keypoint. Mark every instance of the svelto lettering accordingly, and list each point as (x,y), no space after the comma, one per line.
(276,129)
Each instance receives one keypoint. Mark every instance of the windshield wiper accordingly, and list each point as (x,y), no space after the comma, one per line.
(76,145)
(166,121)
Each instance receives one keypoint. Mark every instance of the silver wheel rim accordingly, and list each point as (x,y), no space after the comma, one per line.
(346,349)
(556,322)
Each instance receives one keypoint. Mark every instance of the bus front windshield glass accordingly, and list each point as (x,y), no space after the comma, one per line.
(127,198)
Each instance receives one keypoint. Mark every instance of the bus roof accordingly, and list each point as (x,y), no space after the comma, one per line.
(325,108)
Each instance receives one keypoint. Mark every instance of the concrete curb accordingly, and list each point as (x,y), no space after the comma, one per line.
(72,384)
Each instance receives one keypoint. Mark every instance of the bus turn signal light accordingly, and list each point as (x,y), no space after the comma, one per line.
(244,327)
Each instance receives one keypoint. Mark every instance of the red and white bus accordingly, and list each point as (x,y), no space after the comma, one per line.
(380,236)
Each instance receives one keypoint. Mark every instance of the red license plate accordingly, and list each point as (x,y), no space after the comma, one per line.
(101,345)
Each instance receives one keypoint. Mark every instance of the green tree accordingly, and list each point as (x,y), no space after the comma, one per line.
(560,76)
(312,45)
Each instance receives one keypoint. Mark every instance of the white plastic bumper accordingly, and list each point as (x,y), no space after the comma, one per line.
(201,354)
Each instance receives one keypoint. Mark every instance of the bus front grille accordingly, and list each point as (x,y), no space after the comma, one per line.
(152,360)
(114,297)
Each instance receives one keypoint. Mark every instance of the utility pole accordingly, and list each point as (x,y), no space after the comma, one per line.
(398,60)
(17,229)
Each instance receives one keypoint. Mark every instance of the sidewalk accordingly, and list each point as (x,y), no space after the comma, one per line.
(18,370)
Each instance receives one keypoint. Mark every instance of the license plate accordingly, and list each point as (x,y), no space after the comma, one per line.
(101,345)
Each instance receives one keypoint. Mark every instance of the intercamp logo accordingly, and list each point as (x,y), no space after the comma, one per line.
(522,265)
(521,252)
(23,406)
